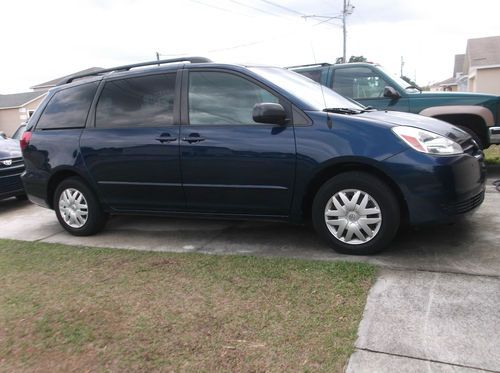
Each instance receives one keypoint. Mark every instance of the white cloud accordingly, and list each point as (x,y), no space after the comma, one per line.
(46,39)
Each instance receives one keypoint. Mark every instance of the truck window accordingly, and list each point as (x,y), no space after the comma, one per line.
(358,82)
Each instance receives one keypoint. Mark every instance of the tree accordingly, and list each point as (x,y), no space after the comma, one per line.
(357,59)
(352,59)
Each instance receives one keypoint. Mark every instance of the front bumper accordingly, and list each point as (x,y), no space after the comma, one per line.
(11,185)
(438,188)
(495,135)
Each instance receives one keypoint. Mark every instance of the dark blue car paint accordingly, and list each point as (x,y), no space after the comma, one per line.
(265,171)
(10,181)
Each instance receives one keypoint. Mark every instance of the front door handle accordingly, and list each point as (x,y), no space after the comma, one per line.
(192,138)
(166,138)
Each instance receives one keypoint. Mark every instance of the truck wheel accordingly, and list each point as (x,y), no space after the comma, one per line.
(474,136)
(356,213)
(77,208)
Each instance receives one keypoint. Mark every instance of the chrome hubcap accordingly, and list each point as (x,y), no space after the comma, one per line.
(353,216)
(73,208)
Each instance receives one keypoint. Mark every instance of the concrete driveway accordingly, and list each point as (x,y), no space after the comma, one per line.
(434,307)
(471,246)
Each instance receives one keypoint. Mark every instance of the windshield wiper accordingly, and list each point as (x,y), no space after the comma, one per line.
(342,110)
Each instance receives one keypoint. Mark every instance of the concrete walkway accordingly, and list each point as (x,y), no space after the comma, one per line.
(429,322)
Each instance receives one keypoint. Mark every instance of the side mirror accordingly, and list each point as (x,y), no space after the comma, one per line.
(391,92)
(267,112)
(3,135)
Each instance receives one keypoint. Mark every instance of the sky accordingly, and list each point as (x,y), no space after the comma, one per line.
(43,40)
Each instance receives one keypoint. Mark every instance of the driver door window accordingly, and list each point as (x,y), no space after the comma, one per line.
(223,98)
(358,83)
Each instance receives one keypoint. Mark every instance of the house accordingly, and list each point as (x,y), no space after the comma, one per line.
(478,70)
(52,83)
(452,84)
(18,107)
(482,65)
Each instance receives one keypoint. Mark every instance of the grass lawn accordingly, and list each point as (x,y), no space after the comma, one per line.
(492,154)
(66,308)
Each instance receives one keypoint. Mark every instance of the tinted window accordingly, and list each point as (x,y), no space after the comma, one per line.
(316,74)
(145,101)
(358,82)
(68,108)
(222,98)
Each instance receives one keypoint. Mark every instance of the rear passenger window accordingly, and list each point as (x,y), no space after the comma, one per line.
(146,101)
(68,108)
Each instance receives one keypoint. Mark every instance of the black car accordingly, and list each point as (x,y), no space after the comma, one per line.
(11,168)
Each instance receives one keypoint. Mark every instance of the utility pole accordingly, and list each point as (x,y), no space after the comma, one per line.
(348,9)
(402,64)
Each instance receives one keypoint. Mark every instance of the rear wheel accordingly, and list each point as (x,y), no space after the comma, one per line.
(77,208)
(356,213)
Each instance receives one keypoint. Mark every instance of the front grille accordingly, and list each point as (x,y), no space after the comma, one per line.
(15,168)
(10,183)
(470,147)
(464,206)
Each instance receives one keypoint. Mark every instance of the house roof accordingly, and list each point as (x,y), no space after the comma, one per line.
(482,52)
(459,64)
(54,82)
(446,82)
(18,99)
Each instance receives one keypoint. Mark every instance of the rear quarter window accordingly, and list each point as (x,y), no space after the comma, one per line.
(68,108)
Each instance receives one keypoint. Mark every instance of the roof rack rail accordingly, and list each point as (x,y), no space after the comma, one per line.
(70,78)
(311,64)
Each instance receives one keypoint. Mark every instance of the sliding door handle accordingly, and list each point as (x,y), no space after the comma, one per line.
(191,139)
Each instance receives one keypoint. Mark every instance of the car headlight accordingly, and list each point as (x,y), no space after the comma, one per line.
(426,141)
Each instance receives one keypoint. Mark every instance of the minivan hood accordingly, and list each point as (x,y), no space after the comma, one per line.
(396,118)
(9,149)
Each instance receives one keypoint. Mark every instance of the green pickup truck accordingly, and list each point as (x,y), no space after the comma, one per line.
(369,84)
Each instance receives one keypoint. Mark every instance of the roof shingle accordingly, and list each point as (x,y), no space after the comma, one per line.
(18,99)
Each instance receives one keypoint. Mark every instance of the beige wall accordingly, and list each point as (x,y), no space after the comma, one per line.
(488,81)
(10,118)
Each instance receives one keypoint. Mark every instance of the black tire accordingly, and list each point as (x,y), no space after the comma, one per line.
(378,191)
(95,217)
(22,197)
(474,136)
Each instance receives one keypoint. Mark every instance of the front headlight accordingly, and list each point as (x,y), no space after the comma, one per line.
(427,142)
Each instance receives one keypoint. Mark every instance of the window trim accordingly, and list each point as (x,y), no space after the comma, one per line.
(185,97)
(91,119)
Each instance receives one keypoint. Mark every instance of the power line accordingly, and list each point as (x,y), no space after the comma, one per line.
(219,8)
(283,7)
(254,8)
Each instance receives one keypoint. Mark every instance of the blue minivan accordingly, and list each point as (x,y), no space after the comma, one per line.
(188,137)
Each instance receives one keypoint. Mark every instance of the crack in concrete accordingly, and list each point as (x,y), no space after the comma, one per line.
(428,360)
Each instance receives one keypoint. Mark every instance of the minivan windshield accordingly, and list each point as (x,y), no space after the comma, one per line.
(317,96)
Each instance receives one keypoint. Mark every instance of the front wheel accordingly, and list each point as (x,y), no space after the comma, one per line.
(356,213)
(77,208)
